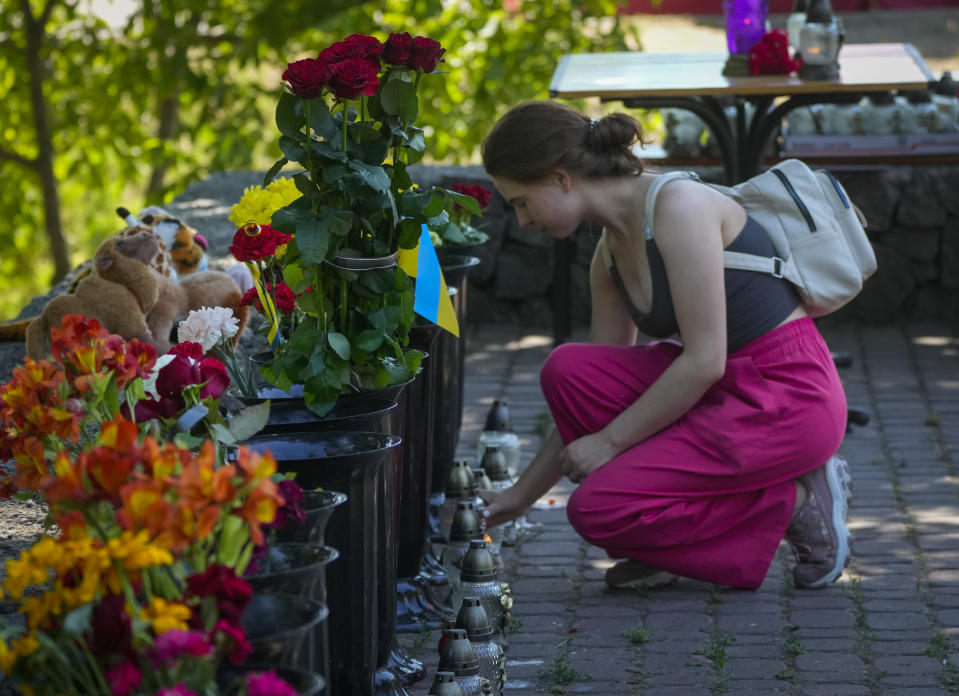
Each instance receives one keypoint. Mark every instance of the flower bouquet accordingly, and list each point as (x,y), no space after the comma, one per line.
(338,309)
(137,587)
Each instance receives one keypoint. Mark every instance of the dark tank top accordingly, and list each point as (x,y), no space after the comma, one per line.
(755,302)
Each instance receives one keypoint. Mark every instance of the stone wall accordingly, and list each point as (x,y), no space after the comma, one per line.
(913,221)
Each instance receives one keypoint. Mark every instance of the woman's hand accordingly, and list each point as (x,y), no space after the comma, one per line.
(584,456)
(502,506)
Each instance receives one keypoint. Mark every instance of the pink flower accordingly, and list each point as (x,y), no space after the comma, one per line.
(178,690)
(191,349)
(232,594)
(170,645)
(123,678)
(268,684)
(239,647)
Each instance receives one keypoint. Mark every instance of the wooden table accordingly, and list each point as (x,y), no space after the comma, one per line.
(693,80)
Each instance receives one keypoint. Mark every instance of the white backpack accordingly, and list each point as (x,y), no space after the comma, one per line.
(819,235)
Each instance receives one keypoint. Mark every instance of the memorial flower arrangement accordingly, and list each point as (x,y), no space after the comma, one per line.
(137,588)
(337,320)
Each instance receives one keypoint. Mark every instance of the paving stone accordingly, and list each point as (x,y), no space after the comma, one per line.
(678,621)
(754,668)
(829,662)
(751,623)
(835,690)
(897,620)
(825,618)
(907,665)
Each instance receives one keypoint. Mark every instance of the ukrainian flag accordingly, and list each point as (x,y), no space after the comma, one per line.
(431,298)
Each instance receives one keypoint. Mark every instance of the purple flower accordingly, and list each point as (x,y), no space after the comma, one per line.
(170,645)
(268,684)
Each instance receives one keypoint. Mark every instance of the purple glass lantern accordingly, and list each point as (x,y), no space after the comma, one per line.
(745,23)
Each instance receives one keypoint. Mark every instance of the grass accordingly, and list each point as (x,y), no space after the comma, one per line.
(715,649)
(640,635)
(560,673)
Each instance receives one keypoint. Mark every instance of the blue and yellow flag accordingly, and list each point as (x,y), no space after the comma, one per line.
(431,298)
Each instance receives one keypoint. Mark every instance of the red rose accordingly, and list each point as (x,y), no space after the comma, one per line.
(425,54)
(307,77)
(190,349)
(254,242)
(175,375)
(282,295)
(353,46)
(232,594)
(398,48)
(354,77)
(480,193)
(213,372)
(770,55)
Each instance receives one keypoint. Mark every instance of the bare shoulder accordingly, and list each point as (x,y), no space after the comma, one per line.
(683,200)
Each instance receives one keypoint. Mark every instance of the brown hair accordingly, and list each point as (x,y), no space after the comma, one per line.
(533,138)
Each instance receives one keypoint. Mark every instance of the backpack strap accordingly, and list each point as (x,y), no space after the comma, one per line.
(653,191)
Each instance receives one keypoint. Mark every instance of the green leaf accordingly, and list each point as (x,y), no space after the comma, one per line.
(287,119)
(339,343)
(249,421)
(368,340)
(223,434)
(321,120)
(306,186)
(414,202)
(274,170)
(467,202)
(399,99)
(435,206)
(292,149)
(78,621)
(375,176)
(410,231)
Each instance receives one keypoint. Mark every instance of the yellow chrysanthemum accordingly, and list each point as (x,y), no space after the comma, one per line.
(258,204)
(135,551)
(40,607)
(27,645)
(23,572)
(166,616)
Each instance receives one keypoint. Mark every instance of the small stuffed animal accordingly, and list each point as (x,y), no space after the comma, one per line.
(187,247)
(119,293)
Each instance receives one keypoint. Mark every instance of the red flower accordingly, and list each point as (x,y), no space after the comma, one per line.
(232,594)
(290,511)
(255,242)
(124,678)
(284,297)
(239,646)
(214,373)
(190,349)
(480,193)
(353,46)
(770,56)
(398,48)
(110,633)
(353,77)
(426,54)
(170,645)
(307,77)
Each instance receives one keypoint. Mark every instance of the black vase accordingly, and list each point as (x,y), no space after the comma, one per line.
(277,627)
(317,507)
(362,411)
(359,465)
(416,608)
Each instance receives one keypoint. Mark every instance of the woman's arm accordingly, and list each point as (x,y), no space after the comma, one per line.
(610,324)
(689,238)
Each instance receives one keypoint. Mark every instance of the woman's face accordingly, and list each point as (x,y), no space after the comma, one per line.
(546,204)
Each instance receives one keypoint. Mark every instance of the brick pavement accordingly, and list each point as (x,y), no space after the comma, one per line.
(890,625)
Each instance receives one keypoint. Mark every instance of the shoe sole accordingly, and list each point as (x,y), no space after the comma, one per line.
(660,578)
(837,475)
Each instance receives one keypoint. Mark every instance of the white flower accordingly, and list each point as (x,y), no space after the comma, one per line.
(208,326)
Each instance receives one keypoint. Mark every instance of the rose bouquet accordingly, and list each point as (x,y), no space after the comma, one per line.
(468,200)
(347,122)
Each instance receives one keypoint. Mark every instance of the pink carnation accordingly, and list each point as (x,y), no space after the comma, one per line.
(178,690)
(268,684)
(170,645)
(124,678)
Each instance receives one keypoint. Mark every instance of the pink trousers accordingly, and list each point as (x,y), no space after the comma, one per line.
(710,496)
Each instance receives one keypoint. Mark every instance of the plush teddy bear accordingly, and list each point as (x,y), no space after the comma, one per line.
(187,247)
(119,293)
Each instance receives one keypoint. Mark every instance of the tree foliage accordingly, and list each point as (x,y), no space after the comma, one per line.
(187,87)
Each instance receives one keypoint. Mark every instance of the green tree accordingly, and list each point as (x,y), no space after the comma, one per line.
(93,117)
